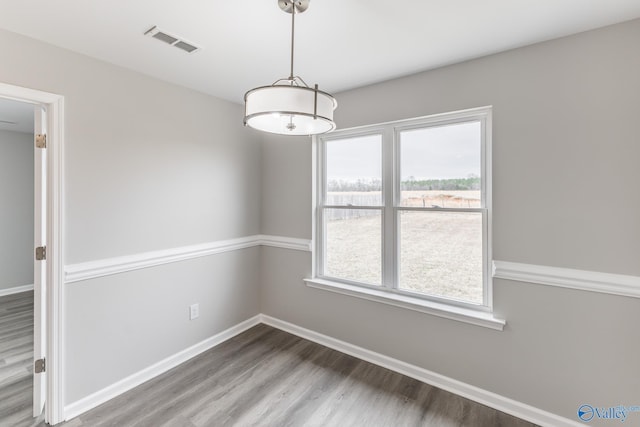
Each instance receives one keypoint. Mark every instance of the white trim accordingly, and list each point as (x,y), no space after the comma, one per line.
(55,249)
(390,209)
(54,405)
(493,400)
(121,264)
(89,402)
(16,290)
(487,228)
(315,179)
(447,311)
(24,94)
(39,267)
(485,397)
(108,266)
(284,242)
(584,280)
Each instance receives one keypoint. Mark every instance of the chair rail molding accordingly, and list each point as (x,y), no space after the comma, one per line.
(583,280)
(121,264)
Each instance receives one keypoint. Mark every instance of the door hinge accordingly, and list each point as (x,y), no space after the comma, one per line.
(39,366)
(41,140)
(41,253)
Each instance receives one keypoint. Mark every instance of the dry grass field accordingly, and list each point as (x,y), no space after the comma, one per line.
(440,252)
(441,198)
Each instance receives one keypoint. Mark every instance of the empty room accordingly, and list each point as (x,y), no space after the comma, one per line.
(320,213)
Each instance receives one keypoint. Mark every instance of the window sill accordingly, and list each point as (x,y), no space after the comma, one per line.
(474,317)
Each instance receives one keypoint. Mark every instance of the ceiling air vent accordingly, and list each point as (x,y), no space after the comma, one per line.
(169,39)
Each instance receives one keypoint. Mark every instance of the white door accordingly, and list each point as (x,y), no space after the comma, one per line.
(40,266)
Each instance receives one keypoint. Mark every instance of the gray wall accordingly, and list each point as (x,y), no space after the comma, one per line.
(149,166)
(565,154)
(16,209)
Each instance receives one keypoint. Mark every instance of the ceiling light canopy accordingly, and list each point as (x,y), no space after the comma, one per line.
(289,106)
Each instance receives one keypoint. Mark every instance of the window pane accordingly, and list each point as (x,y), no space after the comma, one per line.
(354,171)
(441,254)
(353,245)
(440,166)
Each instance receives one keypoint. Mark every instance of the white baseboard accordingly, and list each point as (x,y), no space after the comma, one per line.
(83,405)
(16,290)
(493,400)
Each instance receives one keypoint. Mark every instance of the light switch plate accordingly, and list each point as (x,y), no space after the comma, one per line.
(194,311)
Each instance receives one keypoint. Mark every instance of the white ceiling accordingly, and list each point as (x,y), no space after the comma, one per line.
(16,116)
(340,44)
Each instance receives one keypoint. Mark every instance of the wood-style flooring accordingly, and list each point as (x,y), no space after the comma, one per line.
(16,356)
(267,377)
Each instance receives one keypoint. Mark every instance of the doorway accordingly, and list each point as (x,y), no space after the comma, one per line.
(46,253)
(16,196)
(17,273)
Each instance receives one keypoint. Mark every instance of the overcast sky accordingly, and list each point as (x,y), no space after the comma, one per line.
(431,153)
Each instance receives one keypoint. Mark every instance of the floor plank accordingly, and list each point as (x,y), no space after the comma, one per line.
(262,377)
(16,356)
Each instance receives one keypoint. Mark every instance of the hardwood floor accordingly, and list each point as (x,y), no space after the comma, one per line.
(267,377)
(16,356)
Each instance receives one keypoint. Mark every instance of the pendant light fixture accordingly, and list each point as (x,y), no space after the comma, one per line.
(289,106)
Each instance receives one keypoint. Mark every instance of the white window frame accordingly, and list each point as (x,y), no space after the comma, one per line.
(479,314)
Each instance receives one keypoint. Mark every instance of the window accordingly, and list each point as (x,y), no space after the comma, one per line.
(403,209)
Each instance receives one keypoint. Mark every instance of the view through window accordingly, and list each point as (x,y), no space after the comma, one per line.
(403,207)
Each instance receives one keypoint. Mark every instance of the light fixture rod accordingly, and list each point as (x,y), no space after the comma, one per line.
(293,30)
(315,102)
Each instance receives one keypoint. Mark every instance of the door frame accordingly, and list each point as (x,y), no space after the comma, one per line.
(39,266)
(54,103)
